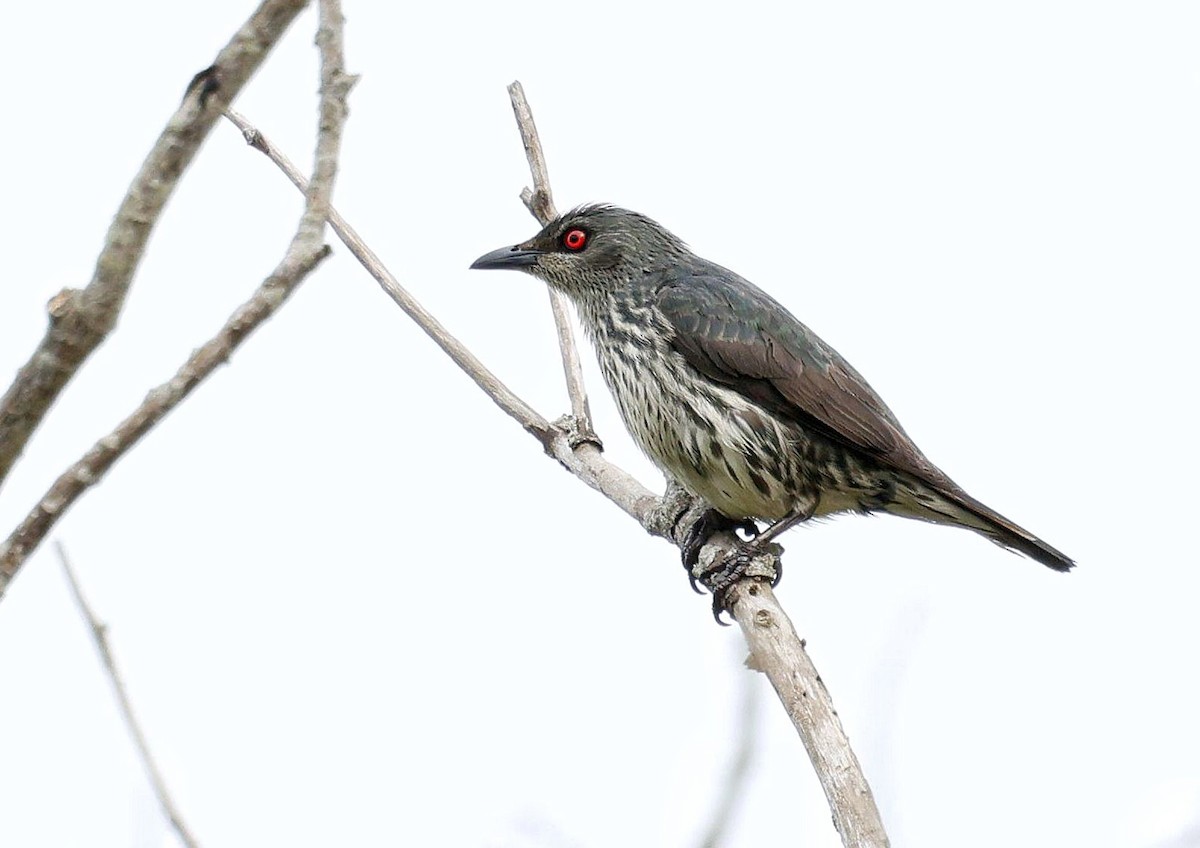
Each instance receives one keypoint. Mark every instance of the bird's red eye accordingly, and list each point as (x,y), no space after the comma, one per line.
(574,239)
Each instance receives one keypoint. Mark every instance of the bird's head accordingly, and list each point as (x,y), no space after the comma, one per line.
(591,249)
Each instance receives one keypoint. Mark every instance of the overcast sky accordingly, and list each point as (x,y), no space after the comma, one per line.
(356,605)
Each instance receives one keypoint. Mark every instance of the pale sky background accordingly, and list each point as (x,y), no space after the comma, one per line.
(356,605)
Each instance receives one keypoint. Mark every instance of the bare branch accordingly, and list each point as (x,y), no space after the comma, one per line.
(782,657)
(540,202)
(779,653)
(776,647)
(100,637)
(335,87)
(510,403)
(302,256)
(581,457)
(80,320)
(90,468)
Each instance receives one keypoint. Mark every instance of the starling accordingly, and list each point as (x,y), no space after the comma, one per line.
(729,394)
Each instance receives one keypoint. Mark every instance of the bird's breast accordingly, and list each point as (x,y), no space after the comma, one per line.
(711,439)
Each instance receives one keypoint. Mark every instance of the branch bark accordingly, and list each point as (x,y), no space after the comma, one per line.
(100,637)
(91,467)
(81,319)
(540,202)
(779,653)
(775,648)
(303,254)
(493,387)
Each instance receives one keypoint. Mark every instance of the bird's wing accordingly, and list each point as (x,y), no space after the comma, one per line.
(736,334)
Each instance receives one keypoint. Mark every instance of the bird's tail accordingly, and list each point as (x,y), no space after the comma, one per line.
(954,506)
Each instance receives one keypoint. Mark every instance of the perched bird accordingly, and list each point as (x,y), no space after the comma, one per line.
(728,393)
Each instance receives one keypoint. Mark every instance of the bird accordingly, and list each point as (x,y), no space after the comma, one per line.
(733,397)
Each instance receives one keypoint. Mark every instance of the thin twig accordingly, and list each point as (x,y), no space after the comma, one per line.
(81,319)
(504,397)
(100,637)
(540,202)
(303,254)
(776,648)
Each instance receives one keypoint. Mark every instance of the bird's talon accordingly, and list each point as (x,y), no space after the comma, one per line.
(718,607)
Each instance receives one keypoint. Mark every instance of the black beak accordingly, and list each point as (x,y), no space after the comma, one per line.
(507,257)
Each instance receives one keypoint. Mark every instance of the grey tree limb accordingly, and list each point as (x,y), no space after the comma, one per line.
(100,636)
(776,650)
(303,254)
(779,653)
(91,467)
(81,319)
(505,398)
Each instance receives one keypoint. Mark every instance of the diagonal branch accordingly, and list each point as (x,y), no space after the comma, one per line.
(779,653)
(303,254)
(776,650)
(81,319)
(91,467)
(505,398)
(100,637)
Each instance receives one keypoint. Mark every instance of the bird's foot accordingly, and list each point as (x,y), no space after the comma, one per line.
(721,571)
(709,523)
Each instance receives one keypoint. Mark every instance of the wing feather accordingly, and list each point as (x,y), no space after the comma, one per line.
(736,334)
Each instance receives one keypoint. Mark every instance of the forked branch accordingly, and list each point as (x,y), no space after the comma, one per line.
(540,202)
(81,319)
(303,254)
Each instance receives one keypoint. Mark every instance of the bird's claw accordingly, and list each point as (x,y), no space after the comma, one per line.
(721,573)
(721,577)
(724,573)
(704,528)
(698,534)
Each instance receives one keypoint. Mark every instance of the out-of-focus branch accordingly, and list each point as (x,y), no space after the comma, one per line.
(1188,837)
(303,254)
(775,647)
(100,637)
(540,202)
(81,319)
(88,470)
(733,788)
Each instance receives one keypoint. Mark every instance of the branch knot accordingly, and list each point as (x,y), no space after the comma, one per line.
(577,432)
